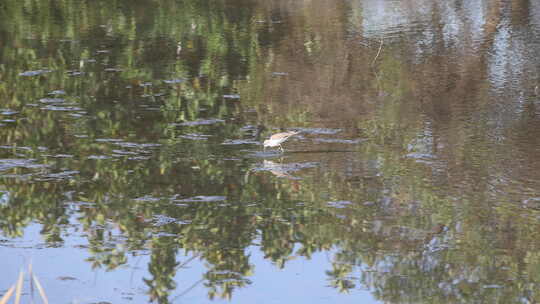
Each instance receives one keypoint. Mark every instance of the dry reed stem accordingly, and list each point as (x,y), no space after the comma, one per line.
(40,289)
(8,294)
(19,288)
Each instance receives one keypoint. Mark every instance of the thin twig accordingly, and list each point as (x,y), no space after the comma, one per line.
(188,289)
(378,52)
(186,262)
(31,274)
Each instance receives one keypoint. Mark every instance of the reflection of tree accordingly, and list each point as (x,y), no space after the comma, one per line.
(162,267)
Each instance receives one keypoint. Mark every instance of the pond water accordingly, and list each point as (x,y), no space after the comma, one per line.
(132,167)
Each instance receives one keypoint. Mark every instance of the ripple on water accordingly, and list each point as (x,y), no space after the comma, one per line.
(240,142)
(161,220)
(7,164)
(326,131)
(59,176)
(199,122)
(57,92)
(99,157)
(113,70)
(136,145)
(202,198)
(340,140)
(173,81)
(340,204)
(8,112)
(421,157)
(147,198)
(109,139)
(34,73)
(123,152)
(62,109)
(49,100)
(195,136)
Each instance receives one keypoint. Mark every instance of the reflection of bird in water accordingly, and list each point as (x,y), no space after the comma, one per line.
(277,169)
(278,138)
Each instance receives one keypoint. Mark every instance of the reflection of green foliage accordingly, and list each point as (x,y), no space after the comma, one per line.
(162,268)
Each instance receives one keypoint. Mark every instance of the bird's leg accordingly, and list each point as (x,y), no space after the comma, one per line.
(281,148)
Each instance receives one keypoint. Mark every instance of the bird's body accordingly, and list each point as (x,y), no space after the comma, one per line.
(278,138)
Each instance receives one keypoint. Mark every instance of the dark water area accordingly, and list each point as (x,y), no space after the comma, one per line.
(132,167)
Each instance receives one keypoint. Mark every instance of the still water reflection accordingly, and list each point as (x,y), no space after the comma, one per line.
(132,169)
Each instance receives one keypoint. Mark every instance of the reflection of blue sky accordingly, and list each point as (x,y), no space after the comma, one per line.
(385,18)
(505,61)
(423,21)
(301,281)
(456,29)
(388,18)
(507,76)
(4,197)
(534,17)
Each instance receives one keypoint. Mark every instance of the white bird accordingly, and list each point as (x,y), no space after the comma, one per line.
(278,138)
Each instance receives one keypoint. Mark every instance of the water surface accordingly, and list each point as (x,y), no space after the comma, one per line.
(132,169)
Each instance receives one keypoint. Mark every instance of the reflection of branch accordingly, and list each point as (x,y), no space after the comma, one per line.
(133,271)
(188,289)
(188,260)
(378,52)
